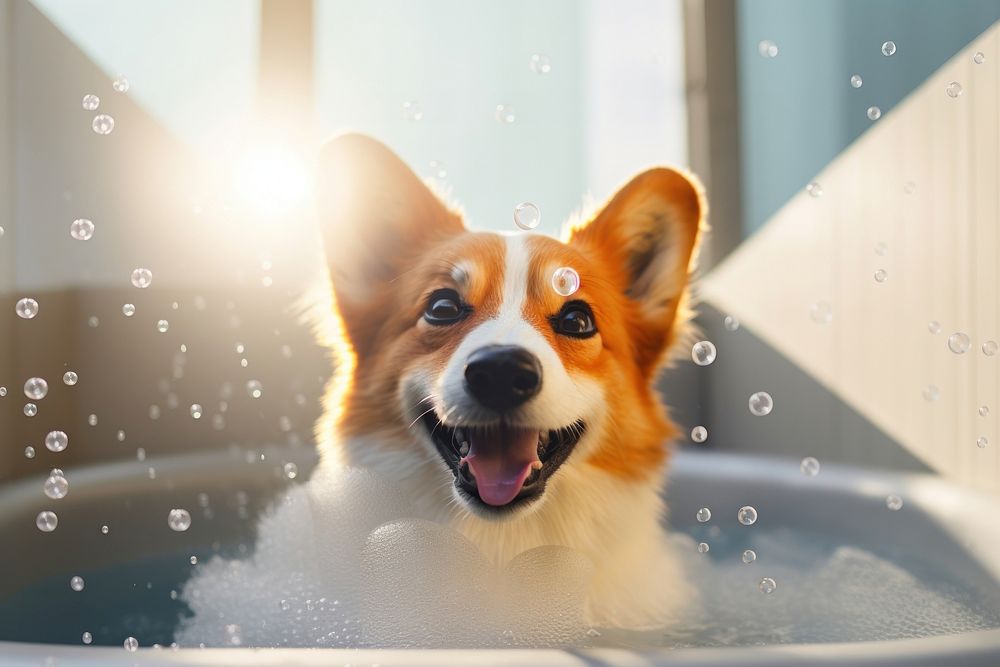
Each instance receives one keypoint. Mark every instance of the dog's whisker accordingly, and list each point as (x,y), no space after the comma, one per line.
(420,416)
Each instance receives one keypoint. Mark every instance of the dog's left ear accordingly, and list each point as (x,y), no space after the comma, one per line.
(648,234)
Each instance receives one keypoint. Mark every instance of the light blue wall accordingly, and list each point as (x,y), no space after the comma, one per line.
(459,60)
(192,64)
(799,110)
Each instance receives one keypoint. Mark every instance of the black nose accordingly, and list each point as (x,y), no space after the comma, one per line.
(502,377)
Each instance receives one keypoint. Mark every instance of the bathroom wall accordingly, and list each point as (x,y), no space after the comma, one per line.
(151,196)
(916,196)
(6,240)
(799,110)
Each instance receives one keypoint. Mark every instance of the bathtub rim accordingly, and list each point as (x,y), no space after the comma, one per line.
(973,649)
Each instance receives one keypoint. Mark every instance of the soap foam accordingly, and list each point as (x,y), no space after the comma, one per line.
(337,564)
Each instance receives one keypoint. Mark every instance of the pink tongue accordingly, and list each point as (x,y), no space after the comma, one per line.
(500,460)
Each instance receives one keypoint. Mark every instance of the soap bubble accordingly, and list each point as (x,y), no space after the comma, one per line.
(255,389)
(881,275)
(70,378)
(46,521)
(26,308)
(131,644)
(984,411)
(77,583)
(87,637)
(953,89)
(121,84)
(105,530)
(527,216)
(703,547)
(505,114)
(3,391)
(767,49)
(412,111)
(120,435)
(931,393)
(888,48)
(809,466)
(703,352)
(703,515)
(856,81)
(36,388)
(93,322)
(92,419)
(56,441)
(761,404)
(29,452)
(815,190)
(749,556)
(142,278)
(894,502)
(881,248)
(959,342)
(731,323)
(30,409)
(128,309)
(196,410)
(821,312)
(103,124)
(438,169)
(91,102)
(81,229)
(56,486)
(291,470)
(979,58)
(179,520)
(539,64)
(193,560)
(162,326)
(699,434)
(990,348)
(982,441)
(233,635)
(767,585)
(934,327)
(747,515)
(873,113)
(565,281)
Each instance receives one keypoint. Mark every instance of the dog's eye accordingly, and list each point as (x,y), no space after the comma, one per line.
(575,320)
(444,307)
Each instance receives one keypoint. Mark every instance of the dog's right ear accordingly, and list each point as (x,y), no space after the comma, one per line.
(377,218)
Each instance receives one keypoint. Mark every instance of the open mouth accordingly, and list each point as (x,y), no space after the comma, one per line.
(502,466)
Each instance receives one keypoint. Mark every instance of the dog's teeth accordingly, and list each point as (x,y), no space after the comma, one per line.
(537,465)
(463,449)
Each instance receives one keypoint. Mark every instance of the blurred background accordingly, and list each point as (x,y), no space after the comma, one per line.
(206,181)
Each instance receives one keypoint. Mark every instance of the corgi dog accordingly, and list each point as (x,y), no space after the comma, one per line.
(516,414)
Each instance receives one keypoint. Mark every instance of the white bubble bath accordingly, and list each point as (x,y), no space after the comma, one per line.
(834,570)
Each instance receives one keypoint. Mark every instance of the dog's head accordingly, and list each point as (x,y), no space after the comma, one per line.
(459,344)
